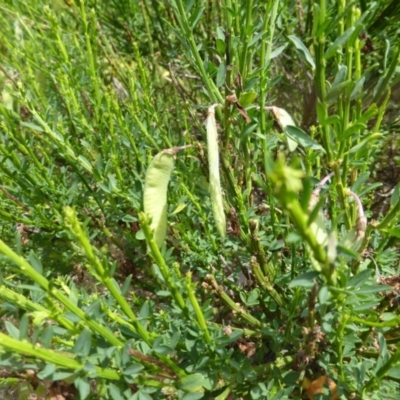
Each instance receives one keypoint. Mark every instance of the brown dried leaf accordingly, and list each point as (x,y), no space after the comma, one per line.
(232,98)
(317,386)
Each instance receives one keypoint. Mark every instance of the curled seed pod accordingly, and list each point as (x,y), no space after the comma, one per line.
(316,192)
(361,227)
(283,118)
(155,192)
(361,224)
(215,182)
(317,226)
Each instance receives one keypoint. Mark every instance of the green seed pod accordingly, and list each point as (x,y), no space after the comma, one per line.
(213,163)
(317,226)
(155,192)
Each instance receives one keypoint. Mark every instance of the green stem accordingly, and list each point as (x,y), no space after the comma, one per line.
(91,57)
(213,91)
(390,217)
(29,271)
(159,260)
(265,59)
(50,356)
(265,283)
(392,323)
(111,285)
(245,61)
(236,308)
(319,49)
(54,312)
(199,313)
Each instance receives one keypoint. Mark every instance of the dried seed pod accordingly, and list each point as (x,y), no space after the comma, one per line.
(361,227)
(361,224)
(283,119)
(155,192)
(281,116)
(314,198)
(215,182)
(354,238)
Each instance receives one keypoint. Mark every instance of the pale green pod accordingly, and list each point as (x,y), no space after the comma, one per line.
(6,97)
(354,239)
(317,227)
(155,193)
(215,181)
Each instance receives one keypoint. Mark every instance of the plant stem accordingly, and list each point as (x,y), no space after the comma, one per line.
(199,313)
(236,308)
(51,356)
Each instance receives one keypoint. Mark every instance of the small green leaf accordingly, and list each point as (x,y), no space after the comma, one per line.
(340,75)
(224,340)
(336,91)
(252,298)
(339,42)
(83,343)
(300,137)
(357,90)
(34,127)
(221,33)
(221,47)
(364,143)
(323,295)
(195,17)
(352,129)
(304,280)
(133,369)
(278,51)
(12,330)
(126,285)
(359,278)
(221,74)
(129,218)
(304,52)
(35,262)
(140,235)
(115,392)
(395,196)
(85,163)
(394,372)
(369,289)
(192,396)
(179,208)
(163,349)
(393,232)
(46,336)
(246,98)
(343,250)
(191,383)
(47,372)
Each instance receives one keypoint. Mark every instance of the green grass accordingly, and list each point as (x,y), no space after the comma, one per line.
(299,299)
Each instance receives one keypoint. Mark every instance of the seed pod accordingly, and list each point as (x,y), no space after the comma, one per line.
(281,116)
(283,119)
(361,224)
(213,163)
(317,226)
(155,192)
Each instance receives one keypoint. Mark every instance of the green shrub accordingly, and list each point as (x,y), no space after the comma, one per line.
(298,298)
